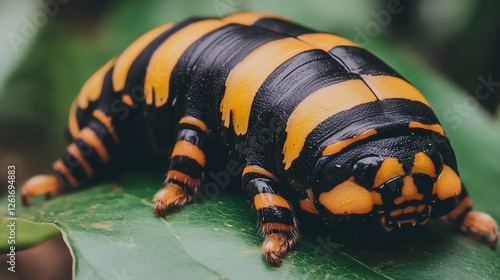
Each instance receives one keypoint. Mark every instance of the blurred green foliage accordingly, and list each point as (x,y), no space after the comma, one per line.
(53,63)
(42,74)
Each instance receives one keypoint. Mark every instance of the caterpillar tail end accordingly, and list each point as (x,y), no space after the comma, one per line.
(47,185)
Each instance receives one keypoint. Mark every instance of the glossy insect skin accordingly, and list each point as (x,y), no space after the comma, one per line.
(328,128)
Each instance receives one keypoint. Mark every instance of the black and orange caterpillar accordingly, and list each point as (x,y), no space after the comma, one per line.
(328,128)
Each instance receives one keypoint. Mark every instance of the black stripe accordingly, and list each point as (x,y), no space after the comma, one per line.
(304,195)
(403,217)
(254,175)
(65,185)
(137,71)
(444,207)
(191,134)
(362,62)
(283,27)
(392,206)
(191,127)
(403,205)
(391,190)
(292,82)
(256,185)
(203,68)
(103,134)
(385,116)
(330,171)
(275,214)
(74,167)
(89,154)
(107,95)
(107,104)
(187,166)
(390,117)
(280,94)
(84,115)
(424,184)
(460,218)
(407,164)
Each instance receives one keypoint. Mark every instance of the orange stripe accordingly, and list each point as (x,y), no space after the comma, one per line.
(164,59)
(340,145)
(399,200)
(73,149)
(73,127)
(347,198)
(106,121)
(423,164)
(318,107)
(307,204)
(61,167)
(181,177)
(448,184)
(244,81)
(196,122)
(409,209)
(89,136)
(263,200)
(377,198)
(249,18)
(268,227)
(127,100)
(188,149)
(397,212)
(92,89)
(259,170)
(125,60)
(326,41)
(432,127)
(390,168)
(386,87)
(409,191)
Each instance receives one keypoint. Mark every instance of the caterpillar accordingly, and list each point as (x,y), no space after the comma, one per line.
(327,128)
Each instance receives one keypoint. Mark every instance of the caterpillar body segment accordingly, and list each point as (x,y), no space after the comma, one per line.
(327,127)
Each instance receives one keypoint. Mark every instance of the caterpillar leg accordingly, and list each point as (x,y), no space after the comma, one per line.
(85,157)
(478,224)
(275,215)
(186,167)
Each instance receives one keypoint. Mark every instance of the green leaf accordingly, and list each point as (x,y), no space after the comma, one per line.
(26,234)
(113,233)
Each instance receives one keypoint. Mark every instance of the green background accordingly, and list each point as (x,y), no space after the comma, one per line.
(111,229)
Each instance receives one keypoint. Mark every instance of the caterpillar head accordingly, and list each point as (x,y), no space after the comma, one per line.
(394,181)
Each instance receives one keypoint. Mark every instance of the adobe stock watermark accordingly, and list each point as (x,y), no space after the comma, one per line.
(325,247)
(461,111)
(31,25)
(381,19)
(122,275)
(225,7)
(11,218)
(219,180)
